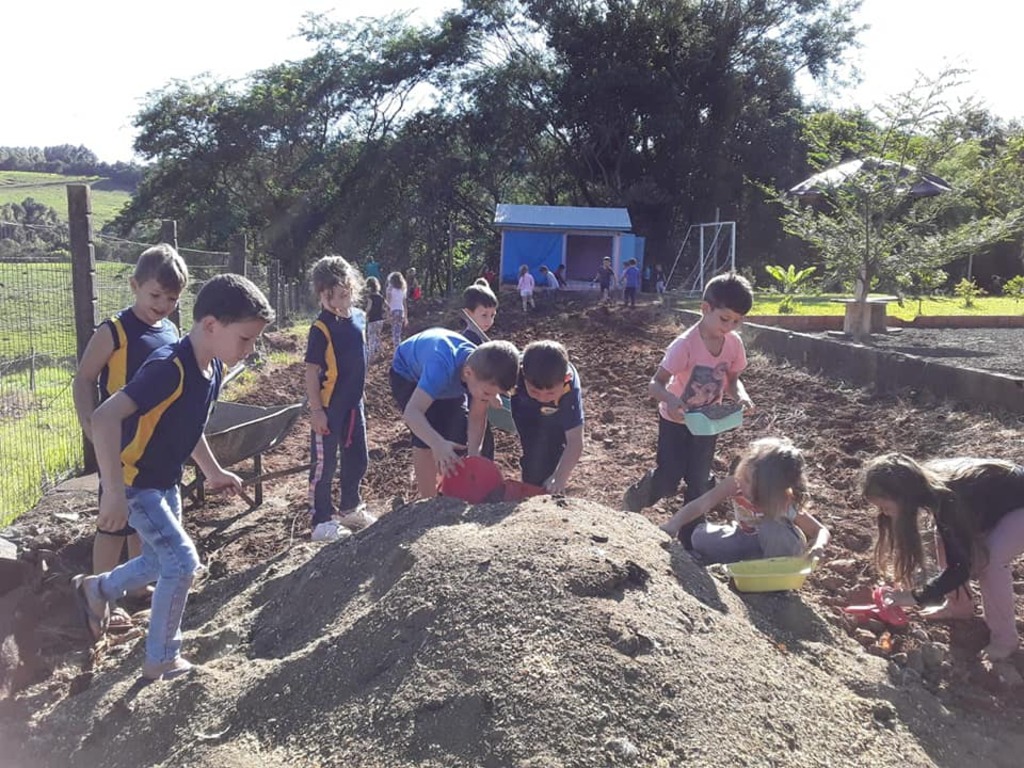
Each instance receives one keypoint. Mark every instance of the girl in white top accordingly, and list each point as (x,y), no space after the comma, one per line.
(526,285)
(395,300)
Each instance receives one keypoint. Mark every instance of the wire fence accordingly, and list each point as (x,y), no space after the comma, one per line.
(40,438)
(40,441)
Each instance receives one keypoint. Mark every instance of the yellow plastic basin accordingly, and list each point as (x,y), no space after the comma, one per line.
(772,574)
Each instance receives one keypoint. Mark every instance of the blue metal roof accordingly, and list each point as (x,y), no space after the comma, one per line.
(561,217)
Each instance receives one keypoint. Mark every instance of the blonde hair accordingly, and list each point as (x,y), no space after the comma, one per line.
(777,478)
(397,280)
(331,271)
(163,264)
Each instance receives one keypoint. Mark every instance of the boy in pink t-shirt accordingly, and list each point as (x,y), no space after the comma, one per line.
(700,366)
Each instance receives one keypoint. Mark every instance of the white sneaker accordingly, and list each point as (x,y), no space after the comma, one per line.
(330,531)
(357,519)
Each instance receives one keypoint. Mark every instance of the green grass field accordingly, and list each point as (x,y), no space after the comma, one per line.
(49,189)
(40,441)
(768,304)
(26,290)
(826,304)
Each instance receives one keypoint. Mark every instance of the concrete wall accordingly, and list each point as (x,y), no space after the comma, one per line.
(883,370)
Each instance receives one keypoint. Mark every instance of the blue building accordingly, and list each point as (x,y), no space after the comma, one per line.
(551,235)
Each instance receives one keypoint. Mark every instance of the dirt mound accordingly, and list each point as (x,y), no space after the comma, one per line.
(550,633)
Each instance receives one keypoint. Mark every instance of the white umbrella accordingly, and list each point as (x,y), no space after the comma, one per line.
(921,184)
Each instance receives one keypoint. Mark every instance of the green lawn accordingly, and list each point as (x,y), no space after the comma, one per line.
(36,303)
(768,304)
(40,441)
(49,189)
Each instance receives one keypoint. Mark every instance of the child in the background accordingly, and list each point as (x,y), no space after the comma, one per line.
(415,291)
(526,286)
(430,376)
(143,436)
(547,407)
(374,318)
(395,301)
(335,378)
(767,490)
(659,282)
(114,353)
(978,507)
(605,277)
(630,283)
(560,276)
(699,367)
(479,307)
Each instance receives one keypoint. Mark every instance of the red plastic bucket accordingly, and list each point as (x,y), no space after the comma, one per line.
(475,480)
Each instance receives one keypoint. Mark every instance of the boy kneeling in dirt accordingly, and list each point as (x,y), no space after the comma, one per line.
(430,376)
(143,435)
(548,411)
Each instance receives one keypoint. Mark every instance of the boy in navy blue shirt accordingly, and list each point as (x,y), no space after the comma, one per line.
(630,283)
(143,436)
(115,352)
(548,410)
(431,374)
(335,378)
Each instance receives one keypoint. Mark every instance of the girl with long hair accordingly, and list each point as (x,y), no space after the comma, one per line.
(978,508)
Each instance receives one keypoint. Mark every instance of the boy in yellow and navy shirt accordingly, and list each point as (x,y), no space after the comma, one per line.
(548,411)
(335,377)
(143,436)
(116,350)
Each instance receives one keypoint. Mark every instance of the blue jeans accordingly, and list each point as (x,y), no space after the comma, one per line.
(168,557)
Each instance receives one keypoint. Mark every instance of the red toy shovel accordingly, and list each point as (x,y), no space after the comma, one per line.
(882,609)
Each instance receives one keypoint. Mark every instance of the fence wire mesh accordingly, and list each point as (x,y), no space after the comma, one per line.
(40,441)
(40,438)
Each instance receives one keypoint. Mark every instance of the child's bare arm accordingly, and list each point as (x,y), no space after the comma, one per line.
(658,389)
(701,505)
(106,437)
(477,426)
(570,458)
(817,534)
(317,415)
(84,388)
(738,392)
(216,476)
(415,416)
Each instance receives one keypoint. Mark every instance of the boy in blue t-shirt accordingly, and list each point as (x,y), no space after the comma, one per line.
(115,352)
(630,283)
(431,374)
(335,378)
(548,410)
(143,436)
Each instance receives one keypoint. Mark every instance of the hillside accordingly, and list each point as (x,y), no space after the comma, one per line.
(49,189)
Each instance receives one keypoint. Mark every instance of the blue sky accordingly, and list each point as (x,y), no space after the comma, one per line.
(127,49)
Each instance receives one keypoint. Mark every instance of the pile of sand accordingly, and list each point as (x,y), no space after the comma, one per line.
(550,633)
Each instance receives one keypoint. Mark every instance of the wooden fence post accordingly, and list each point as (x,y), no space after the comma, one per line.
(169,235)
(83,282)
(274,278)
(237,262)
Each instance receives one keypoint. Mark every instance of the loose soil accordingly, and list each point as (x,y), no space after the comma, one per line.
(1000,350)
(556,632)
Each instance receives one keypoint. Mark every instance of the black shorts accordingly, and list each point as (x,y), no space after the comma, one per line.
(450,417)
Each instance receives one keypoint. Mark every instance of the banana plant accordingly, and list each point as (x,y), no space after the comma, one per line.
(789,281)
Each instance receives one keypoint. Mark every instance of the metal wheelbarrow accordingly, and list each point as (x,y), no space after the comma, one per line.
(236,432)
